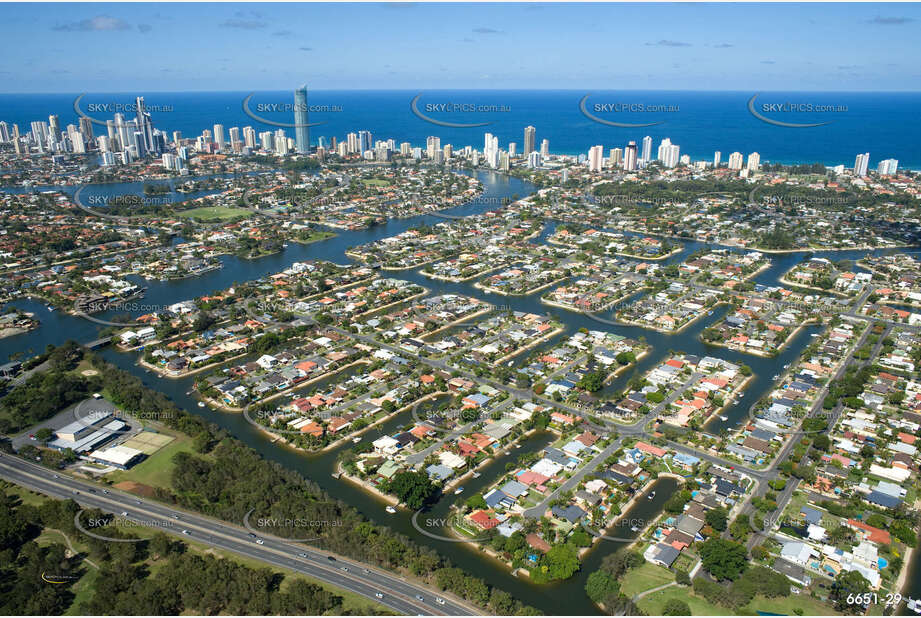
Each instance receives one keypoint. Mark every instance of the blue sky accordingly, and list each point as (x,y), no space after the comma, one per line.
(241,46)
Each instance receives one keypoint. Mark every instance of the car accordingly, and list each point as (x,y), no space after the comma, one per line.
(260,542)
(175,516)
(346,569)
(32,437)
(420,597)
(56,476)
(97,395)
(330,558)
(74,491)
(124,513)
(367,571)
(302,555)
(92,491)
(439,600)
(137,501)
(185,532)
(379,595)
(105,491)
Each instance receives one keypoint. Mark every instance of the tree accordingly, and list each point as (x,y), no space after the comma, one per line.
(849,583)
(561,561)
(723,559)
(676,607)
(414,489)
(717,518)
(599,585)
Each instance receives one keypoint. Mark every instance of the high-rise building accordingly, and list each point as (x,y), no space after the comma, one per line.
(512,150)
(432,145)
(716,158)
(630,157)
(735,161)
(595,157)
(647,149)
(530,136)
(616,157)
(888,167)
(754,162)
(364,141)
(281,142)
(4,131)
(301,130)
(86,128)
(545,148)
(249,137)
(405,149)
(55,127)
(861,164)
(144,124)
(668,153)
(219,136)
(534,159)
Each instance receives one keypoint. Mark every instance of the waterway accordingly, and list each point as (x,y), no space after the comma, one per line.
(560,598)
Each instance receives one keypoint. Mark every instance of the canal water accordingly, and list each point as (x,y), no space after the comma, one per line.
(560,598)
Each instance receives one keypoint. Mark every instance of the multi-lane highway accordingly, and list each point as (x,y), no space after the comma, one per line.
(397,593)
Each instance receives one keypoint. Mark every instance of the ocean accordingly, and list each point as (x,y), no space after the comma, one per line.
(883,124)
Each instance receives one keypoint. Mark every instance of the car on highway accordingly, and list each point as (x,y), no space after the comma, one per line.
(124,513)
(56,476)
(379,595)
(186,532)
(260,542)
(439,600)
(420,597)
(367,571)
(331,558)
(346,569)
(74,491)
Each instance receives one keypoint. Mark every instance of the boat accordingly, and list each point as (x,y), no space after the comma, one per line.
(459,490)
(634,529)
(741,395)
(390,510)
(50,308)
(651,495)
(356,439)
(476,475)
(724,418)
(201,404)
(914,605)
(775,377)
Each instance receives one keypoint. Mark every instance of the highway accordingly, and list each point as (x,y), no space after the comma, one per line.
(399,594)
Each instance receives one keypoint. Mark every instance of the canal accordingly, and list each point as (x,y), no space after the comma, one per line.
(564,598)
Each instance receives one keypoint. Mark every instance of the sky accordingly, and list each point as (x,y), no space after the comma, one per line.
(122,47)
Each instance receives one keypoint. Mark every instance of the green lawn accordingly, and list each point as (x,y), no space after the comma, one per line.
(376,182)
(653,603)
(157,469)
(645,577)
(786,605)
(213,213)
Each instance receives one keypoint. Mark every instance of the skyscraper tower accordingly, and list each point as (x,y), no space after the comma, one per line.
(301,130)
(530,136)
(647,148)
(630,157)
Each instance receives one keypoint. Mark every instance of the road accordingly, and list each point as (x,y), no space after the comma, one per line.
(399,594)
